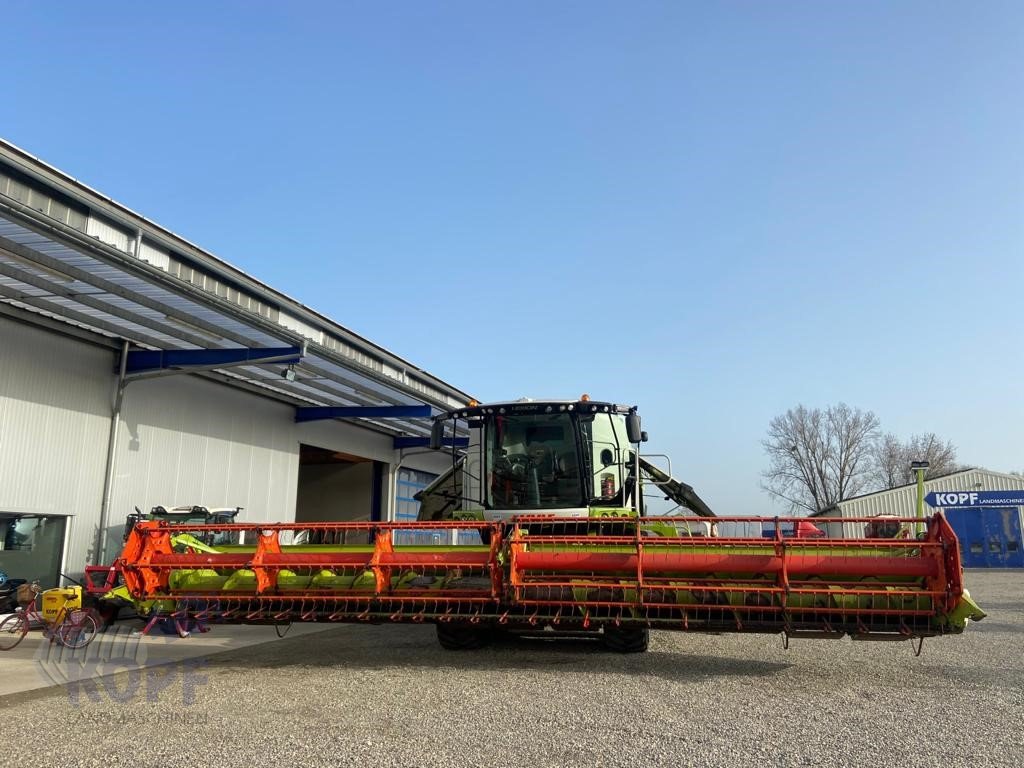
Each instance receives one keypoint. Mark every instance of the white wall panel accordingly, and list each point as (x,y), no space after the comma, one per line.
(294,324)
(158,257)
(182,441)
(188,441)
(107,233)
(347,438)
(55,401)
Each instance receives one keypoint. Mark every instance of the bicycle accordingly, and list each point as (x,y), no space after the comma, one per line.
(73,628)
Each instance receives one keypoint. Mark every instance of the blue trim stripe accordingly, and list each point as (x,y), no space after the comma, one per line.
(145,360)
(363,412)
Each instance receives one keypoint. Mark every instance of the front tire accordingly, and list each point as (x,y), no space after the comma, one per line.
(626,639)
(77,630)
(13,630)
(458,636)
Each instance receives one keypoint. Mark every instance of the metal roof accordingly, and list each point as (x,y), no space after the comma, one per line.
(70,255)
(900,500)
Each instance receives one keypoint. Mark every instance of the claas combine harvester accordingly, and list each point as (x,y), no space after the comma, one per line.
(552,494)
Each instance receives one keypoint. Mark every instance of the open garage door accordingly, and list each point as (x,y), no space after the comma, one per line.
(337,487)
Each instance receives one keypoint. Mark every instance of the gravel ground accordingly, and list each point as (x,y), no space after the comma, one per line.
(389,696)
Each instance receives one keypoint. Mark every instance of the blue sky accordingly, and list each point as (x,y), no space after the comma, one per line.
(715,211)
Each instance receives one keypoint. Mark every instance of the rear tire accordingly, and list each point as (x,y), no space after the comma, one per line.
(461,636)
(13,630)
(626,639)
(77,630)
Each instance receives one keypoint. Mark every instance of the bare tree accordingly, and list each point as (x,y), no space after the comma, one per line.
(891,465)
(892,458)
(818,458)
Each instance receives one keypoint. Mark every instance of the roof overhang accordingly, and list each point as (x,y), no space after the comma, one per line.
(101,289)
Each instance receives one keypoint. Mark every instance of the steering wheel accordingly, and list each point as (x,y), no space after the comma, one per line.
(516,466)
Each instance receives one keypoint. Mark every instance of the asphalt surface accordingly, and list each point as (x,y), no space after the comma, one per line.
(388,695)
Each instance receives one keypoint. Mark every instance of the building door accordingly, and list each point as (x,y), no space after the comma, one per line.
(335,487)
(990,537)
(967,525)
(1002,537)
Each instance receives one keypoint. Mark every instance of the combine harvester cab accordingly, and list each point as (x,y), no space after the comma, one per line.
(557,458)
(555,491)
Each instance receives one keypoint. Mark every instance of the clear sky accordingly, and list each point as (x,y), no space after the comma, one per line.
(714,211)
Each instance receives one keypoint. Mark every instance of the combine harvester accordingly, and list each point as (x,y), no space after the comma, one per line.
(555,491)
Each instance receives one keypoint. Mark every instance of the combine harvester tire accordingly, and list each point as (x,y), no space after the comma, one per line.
(622,639)
(460,636)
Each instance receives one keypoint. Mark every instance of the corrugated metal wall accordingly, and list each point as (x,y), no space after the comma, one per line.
(107,232)
(902,502)
(182,441)
(158,257)
(55,402)
(188,441)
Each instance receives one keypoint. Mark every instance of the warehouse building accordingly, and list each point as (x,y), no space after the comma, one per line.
(137,369)
(983,507)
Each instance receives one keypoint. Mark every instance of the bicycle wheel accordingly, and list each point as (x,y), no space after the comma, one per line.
(77,630)
(13,630)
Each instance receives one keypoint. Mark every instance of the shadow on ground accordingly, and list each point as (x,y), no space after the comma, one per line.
(391,648)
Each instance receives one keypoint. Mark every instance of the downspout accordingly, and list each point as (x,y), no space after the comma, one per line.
(99,558)
(920,503)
